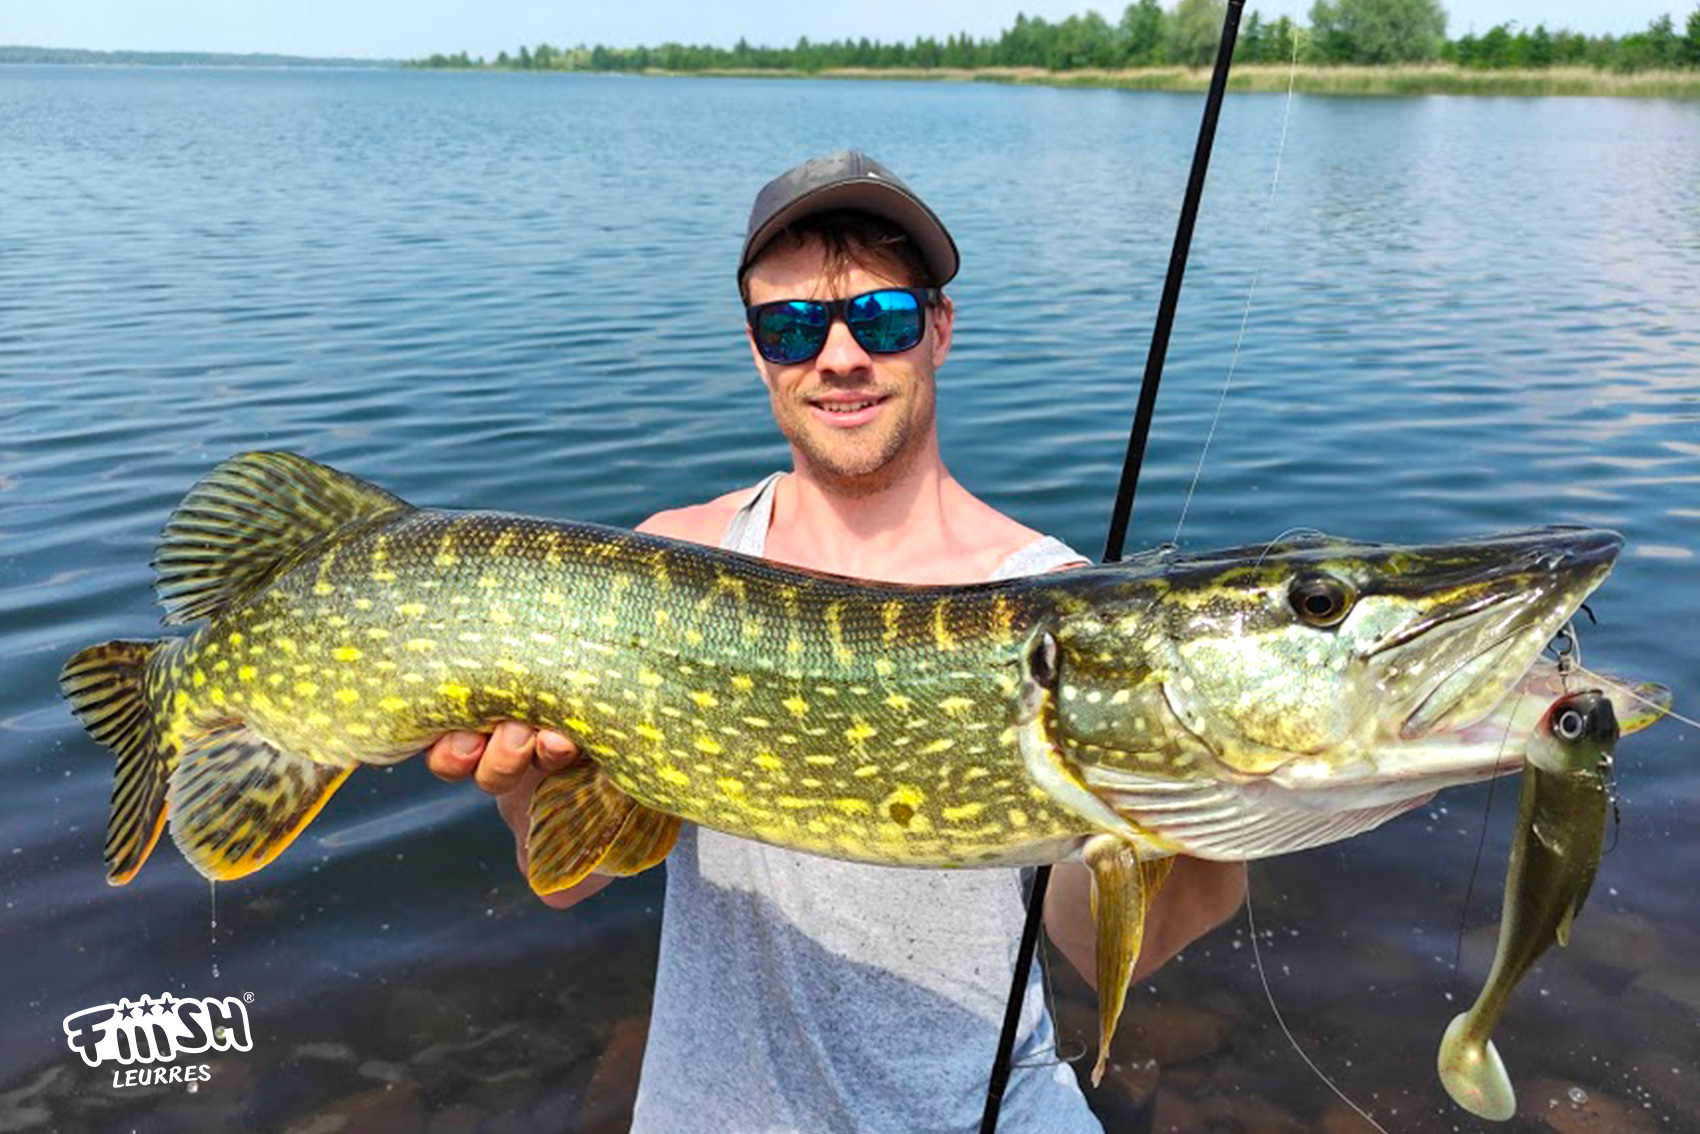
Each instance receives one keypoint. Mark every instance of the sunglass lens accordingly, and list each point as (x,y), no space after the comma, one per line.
(791,331)
(885,322)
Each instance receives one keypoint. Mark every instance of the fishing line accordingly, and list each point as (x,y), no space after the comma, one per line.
(1251,293)
(1257,955)
(1122,512)
(1186,508)
(1664,710)
(1481,848)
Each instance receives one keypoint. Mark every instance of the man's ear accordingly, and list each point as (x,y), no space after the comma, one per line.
(943,321)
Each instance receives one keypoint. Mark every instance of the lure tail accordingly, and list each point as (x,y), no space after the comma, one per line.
(107,686)
(1473,1073)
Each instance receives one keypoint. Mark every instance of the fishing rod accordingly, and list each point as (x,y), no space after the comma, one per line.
(1123,510)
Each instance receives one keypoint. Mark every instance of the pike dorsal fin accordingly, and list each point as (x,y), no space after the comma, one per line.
(581,823)
(246,521)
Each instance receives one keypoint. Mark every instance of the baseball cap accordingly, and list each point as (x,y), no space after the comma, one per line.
(854,181)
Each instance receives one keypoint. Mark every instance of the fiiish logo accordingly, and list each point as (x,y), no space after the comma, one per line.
(155,1031)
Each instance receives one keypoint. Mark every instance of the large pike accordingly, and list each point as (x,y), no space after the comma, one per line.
(1561,823)
(1230,705)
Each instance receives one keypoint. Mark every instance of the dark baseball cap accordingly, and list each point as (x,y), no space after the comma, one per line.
(855,182)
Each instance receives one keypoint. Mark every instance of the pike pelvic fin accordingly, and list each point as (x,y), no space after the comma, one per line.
(106,686)
(247,520)
(1123,888)
(237,800)
(581,823)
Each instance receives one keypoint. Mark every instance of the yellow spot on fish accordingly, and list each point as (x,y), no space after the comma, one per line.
(454,691)
(672,775)
(377,633)
(1017,817)
(507,665)
(705,699)
(943,744)
(742,682)
(941,632)
(216,695)
(954,706)
(346,696)
(859,732)
(287,645)
(883,667)
(383,575)
(346,654)
(246,673)
(728,785)
(769,761)
(420,645)
(796,803)
(866,770)
(318,720)
(820,760)
(411,609)
(650,732)
(709,745)
(323,588)
(797,705)
(393,704)
(899,702)
(552,598)
(962,811)
(693,638)
(891,613)
(306,688)
(649,677)
(853,806)
(236,637)
(757,722)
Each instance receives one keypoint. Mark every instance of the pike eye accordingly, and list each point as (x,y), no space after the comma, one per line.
(1320,600)
(1569,725)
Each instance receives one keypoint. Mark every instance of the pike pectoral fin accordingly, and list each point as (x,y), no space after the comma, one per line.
(236,800)
(581,823)
(1123,888)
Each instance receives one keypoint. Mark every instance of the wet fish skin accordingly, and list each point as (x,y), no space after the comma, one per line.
(1555,853)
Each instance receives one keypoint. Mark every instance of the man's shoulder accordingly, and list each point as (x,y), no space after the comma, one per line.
(699,523)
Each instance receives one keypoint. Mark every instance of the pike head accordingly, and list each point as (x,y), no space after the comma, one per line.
(1262,699)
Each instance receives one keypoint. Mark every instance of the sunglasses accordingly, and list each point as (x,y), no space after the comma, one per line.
(886,321)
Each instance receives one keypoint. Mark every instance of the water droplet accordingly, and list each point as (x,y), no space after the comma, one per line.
(1577,1095)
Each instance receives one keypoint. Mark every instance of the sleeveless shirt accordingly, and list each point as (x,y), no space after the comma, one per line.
(795,993)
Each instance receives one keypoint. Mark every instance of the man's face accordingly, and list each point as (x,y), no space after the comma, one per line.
(857,418)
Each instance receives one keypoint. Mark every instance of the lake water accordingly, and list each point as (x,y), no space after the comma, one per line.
(516,291)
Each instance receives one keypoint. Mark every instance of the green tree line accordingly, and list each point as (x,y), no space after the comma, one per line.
(1149,35)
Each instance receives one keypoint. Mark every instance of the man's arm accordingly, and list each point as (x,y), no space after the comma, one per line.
(1198,896)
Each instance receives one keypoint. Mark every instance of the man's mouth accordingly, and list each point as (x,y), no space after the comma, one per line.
(847,411)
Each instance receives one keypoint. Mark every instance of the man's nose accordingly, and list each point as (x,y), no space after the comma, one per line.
(842,354)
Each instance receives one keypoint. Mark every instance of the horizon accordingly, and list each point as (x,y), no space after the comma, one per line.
(385,30)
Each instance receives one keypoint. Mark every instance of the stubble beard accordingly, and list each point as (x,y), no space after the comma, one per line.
(853,465)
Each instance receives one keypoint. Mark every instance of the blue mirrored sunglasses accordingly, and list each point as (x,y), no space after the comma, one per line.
(886,321)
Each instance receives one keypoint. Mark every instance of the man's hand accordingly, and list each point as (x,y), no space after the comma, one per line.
(509,763)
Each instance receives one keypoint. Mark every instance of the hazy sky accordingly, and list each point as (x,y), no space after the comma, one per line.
(411,28)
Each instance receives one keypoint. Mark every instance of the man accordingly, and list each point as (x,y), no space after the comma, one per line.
(797,993)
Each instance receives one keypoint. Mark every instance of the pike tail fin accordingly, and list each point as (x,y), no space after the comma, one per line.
(107,687)
(1473,1073)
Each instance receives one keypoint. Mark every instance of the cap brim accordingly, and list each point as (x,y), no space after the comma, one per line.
(888,202)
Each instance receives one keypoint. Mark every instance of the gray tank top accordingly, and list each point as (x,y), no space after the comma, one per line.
(802,994)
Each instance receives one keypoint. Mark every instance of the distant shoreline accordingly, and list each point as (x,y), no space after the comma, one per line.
(1420,79)
(11,53)
(1425,79)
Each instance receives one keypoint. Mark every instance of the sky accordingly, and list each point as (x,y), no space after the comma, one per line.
(414,28)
